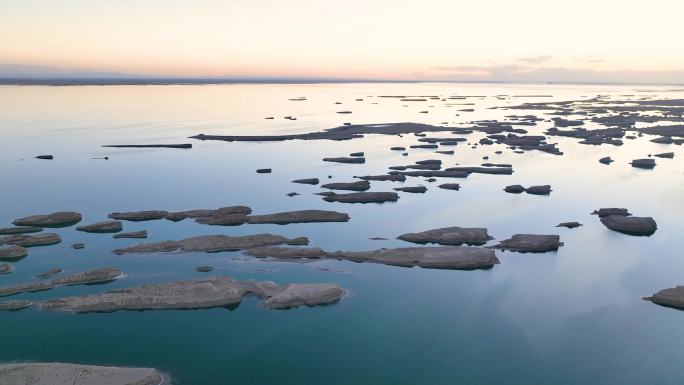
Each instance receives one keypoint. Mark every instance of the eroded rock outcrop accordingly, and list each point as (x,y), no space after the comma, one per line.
(70,374)
(102,227)
(451,236)
(302,216)
(363,197)
(54,220)
(630,225)
(91,276)
(530,243)
(139,216)
(213,244)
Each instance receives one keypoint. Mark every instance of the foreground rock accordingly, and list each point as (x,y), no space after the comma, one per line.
(20,230)
(13,306)
(133,235)
(69,374)
(200,294)
(213,244)
(91,276)
(12,252)
(672,297)
(450,236)
(361,185)
(448,257)
(530,243)
(630,225)
(55,220)
(102,227)
(363,197)
(303,216)
(139,216)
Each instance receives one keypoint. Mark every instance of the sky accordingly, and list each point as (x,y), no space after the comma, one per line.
(490,40)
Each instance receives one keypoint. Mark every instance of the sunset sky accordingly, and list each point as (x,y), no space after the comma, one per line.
(530,40)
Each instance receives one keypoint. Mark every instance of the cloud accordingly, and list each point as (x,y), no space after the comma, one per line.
(535,59)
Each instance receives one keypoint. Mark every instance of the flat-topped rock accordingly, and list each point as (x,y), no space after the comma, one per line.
(91,276)
(13,305)
(6,268)
(223,219)
(203,293)
(514,189)
(437,174)
(49,273)
(443,257)
(139,216)
(363,197)
(102,227)
(311,181)
(132,234)
(606,160)
(302,216)
(449,236)
(181,146)
(70,374)
(539,190)
(361,185)
(20,230)
(450,186)
(384,178)
(55,220)
(12,252)
(672,297)
(204,269)
(264,171)
(412,189)
(569,225)
(46,239)
(530,243)
(646,163)
(630,225)
(213,243)
(203,213)
(483,170)
(604,212)
(351,159)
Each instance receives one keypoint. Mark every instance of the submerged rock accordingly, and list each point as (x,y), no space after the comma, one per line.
(361,185)
(78,246)
(569,225)
(672,297)
(58,219)
(363,197)
(12,252)
(199,294)
(14,305)
(346,160)
(92,276)
(139,216)
(49,273)
(133,234)
(646,163)
(311,181)
(604,212)
(204,269)
(213,243)
(539,190)
(530,243)
(70,374)
(630,225)
(449,236)
(302,216)
(20,230)
(6,268)
(412,189)
(102,227)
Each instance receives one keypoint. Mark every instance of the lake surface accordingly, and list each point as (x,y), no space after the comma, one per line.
(574,316)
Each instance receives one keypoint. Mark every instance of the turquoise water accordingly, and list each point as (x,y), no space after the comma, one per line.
(570,317)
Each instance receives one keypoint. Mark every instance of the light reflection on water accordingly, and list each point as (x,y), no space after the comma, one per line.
(571,317)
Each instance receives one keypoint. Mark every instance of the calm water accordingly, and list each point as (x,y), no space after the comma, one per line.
(571,317)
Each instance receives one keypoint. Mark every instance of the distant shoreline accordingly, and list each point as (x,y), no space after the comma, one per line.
(29,81)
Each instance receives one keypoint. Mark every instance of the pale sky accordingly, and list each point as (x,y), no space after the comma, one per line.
(579,40)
